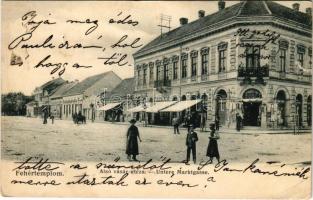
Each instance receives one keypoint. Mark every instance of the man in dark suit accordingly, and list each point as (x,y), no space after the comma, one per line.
(191,140)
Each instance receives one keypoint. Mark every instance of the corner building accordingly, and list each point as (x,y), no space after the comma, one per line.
(252,58)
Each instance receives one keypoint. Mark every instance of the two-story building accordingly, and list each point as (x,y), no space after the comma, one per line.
(253,58)
(41,97)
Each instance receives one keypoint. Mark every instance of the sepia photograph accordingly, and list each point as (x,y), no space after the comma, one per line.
(156,99)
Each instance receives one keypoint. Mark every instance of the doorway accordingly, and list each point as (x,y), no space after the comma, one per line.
(251,116)
(252,100)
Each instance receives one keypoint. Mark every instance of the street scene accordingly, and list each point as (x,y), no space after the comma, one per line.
(65,141)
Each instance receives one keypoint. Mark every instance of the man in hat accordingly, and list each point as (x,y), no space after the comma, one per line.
(132,142)
(191,140)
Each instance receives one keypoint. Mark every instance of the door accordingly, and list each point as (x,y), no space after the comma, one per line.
(251,115)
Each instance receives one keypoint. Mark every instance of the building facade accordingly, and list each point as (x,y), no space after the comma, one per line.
(88,95)
(41,97)
(253,58)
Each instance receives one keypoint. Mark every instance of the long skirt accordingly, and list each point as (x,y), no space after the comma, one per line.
(132,147)
(212,150)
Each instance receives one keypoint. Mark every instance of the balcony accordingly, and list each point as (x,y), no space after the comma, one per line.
(162,86)
(162,83)
(252,76)
(253,72)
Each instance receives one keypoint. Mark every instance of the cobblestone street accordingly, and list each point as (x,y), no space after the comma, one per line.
(64,141)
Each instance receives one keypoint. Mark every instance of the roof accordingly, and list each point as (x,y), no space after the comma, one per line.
(82,86)
(242,9)
(51,85)
(63,89)
(127,86)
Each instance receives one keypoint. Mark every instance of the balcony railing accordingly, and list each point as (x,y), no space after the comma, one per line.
(162,83)
(258,72)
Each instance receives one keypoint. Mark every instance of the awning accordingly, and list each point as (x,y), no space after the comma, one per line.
(159,106)
(139,108)
(180,106)
(109,106)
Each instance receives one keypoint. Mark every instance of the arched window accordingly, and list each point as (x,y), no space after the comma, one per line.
(252,94)
(183,98)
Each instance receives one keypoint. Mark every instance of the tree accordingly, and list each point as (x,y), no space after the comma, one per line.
(14,103)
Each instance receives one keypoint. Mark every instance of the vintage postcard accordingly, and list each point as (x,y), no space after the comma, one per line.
(156,99)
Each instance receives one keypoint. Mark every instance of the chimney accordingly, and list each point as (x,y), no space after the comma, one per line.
(296,6)
(221,4)
(183,21)
(308,11)
(201,13)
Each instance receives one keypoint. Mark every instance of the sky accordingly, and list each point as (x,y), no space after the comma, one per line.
(147,13)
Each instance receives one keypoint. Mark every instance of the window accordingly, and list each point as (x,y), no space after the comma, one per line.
(144,76)
(151,72)
(222,61)
(252,57)
(184,68)
(301,52)
(193,66)
(283,46)
(158,72)
(222,51)
(138,82)
(175,69)
(300,58)
(282,59)
(165,72)
(204,65)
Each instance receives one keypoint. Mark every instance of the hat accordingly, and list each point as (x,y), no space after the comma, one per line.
(212,125)
(132,121)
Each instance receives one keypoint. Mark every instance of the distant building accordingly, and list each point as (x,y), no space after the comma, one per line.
(41,97)
(56,99)
(89,94)
(253,58)
(119,101)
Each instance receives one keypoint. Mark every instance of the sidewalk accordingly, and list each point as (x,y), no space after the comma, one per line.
(222,130)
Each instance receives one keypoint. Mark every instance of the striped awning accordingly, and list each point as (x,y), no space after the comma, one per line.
(182,105)
(158,106)
(109,106)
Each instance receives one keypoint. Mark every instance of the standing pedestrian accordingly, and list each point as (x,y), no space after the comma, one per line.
(191,140)
(238,121)
(52,119)
(132,142)
(212,150)
(45,115)
(176,125)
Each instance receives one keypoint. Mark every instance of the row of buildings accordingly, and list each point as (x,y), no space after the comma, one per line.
(94,97)
(252,59)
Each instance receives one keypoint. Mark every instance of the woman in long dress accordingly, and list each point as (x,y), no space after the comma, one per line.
(212,150)
(132,142)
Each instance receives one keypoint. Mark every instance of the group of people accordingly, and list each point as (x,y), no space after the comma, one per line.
(132,136)
(46,115)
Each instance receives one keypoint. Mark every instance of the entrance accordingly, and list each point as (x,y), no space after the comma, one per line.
(252,100)
(251,116)
(221,112)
